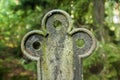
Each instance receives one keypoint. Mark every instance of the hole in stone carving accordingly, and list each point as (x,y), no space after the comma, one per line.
(80,43)
(57,24)
(36,45)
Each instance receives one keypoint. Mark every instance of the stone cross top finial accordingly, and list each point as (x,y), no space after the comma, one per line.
(59,47)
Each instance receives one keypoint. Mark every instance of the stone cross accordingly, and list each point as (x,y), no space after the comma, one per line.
(58,47)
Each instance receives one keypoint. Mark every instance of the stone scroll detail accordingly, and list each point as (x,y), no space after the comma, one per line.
(58,48)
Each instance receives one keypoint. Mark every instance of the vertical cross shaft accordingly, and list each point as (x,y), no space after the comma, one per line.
(58,48)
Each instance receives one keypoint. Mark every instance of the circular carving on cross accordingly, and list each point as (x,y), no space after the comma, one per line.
(36,45)
(88,41)
(32,44)
(57,16)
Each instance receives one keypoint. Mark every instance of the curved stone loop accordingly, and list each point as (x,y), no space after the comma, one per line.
(89,42)
(31,44)
(55,13)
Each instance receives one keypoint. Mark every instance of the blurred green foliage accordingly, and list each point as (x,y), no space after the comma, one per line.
(17,17)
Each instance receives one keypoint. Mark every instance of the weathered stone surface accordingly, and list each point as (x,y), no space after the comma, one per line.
(57,47)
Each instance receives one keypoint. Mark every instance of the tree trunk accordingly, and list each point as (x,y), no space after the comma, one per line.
(98,17)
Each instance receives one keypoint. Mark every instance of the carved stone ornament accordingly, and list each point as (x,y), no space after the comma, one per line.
(58,47)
